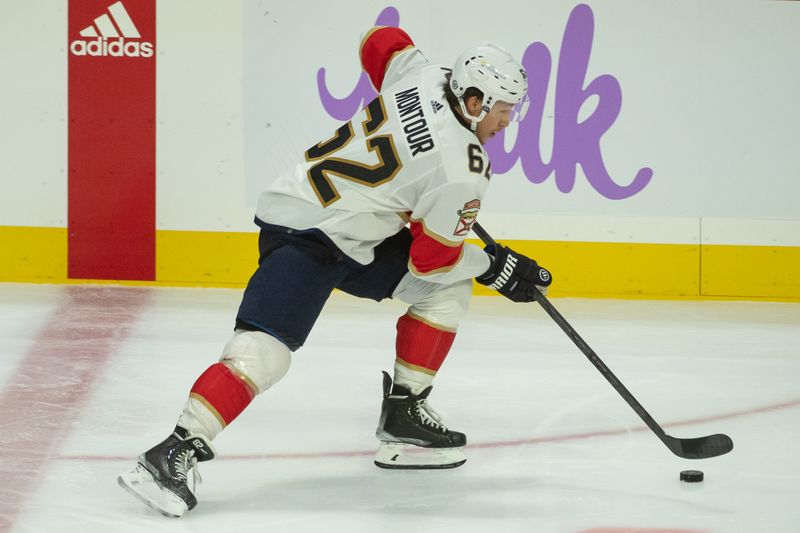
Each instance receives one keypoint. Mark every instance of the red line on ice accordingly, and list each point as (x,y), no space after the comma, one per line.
(52,383)
(499,444)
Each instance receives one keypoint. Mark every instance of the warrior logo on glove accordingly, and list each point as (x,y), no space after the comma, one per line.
(514,275)
(508,269)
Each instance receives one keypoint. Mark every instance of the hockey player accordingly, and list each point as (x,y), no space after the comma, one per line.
(379,210)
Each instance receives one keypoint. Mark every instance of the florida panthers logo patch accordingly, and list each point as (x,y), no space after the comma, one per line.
(467,217)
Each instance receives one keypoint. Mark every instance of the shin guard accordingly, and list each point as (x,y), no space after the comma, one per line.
(224,393)
(422,347)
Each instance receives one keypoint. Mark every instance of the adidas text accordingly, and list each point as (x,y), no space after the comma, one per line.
(114,48)
(508,269)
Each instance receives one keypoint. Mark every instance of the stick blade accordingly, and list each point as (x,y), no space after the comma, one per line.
(701,447)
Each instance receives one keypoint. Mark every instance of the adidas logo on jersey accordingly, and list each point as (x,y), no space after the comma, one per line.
(436,106)
(116,29)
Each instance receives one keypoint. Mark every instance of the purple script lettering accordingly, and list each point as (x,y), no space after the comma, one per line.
(344,108)
(574,142)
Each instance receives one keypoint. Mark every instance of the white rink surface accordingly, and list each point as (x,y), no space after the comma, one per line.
(91,376)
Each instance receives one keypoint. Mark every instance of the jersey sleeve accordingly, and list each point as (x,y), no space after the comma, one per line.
(439,226)
(388,54)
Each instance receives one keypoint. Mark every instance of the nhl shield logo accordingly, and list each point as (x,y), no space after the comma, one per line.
(467,217)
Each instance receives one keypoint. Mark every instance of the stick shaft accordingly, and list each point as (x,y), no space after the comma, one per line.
(542,300)
(697,448)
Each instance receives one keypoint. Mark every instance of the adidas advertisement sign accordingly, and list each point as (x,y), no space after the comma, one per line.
(111,132)
(116,48)
(112,35)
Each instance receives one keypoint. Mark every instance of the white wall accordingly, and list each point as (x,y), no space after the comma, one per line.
(33,113)
(199,134)
(708,102)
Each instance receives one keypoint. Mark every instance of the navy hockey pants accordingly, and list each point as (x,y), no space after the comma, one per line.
(298,271)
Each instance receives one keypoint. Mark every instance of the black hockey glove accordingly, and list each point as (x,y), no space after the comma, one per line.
(513,275)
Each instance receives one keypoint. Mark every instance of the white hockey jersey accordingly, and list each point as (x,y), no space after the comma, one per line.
(404,159)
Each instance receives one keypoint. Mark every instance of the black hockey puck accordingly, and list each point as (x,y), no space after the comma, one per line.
(692,476)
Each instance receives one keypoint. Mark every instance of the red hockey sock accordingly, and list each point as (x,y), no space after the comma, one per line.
(420,346)
(223,392)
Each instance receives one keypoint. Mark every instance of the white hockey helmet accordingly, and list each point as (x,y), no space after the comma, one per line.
(492,70)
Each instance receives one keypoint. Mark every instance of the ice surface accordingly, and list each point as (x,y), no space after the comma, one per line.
(90,376)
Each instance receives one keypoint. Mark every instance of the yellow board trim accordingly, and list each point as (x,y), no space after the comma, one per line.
(580,269)
(202,257)
(745,271)
(613,270)
(33,254)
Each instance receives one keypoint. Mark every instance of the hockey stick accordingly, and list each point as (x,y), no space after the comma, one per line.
(699,448)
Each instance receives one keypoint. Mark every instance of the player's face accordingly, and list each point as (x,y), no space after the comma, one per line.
(494,121)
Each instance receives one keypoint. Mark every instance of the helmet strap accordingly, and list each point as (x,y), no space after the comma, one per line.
(473,121)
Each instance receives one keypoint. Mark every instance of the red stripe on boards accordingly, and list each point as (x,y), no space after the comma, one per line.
(111,152)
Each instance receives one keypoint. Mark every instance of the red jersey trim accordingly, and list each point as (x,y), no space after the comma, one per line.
(429,255)
(433,235)
(378,48)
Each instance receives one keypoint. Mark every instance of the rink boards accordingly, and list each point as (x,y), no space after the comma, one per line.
(588,269)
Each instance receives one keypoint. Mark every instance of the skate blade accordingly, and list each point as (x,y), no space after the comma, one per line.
(398,455)
(142,485)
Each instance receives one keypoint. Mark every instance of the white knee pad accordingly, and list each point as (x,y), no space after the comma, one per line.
(441,304)
(262,358)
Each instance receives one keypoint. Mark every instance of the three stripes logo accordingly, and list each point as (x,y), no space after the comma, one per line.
(112,34)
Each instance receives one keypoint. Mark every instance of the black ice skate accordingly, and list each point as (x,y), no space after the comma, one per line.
(160,478)
(412,434)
